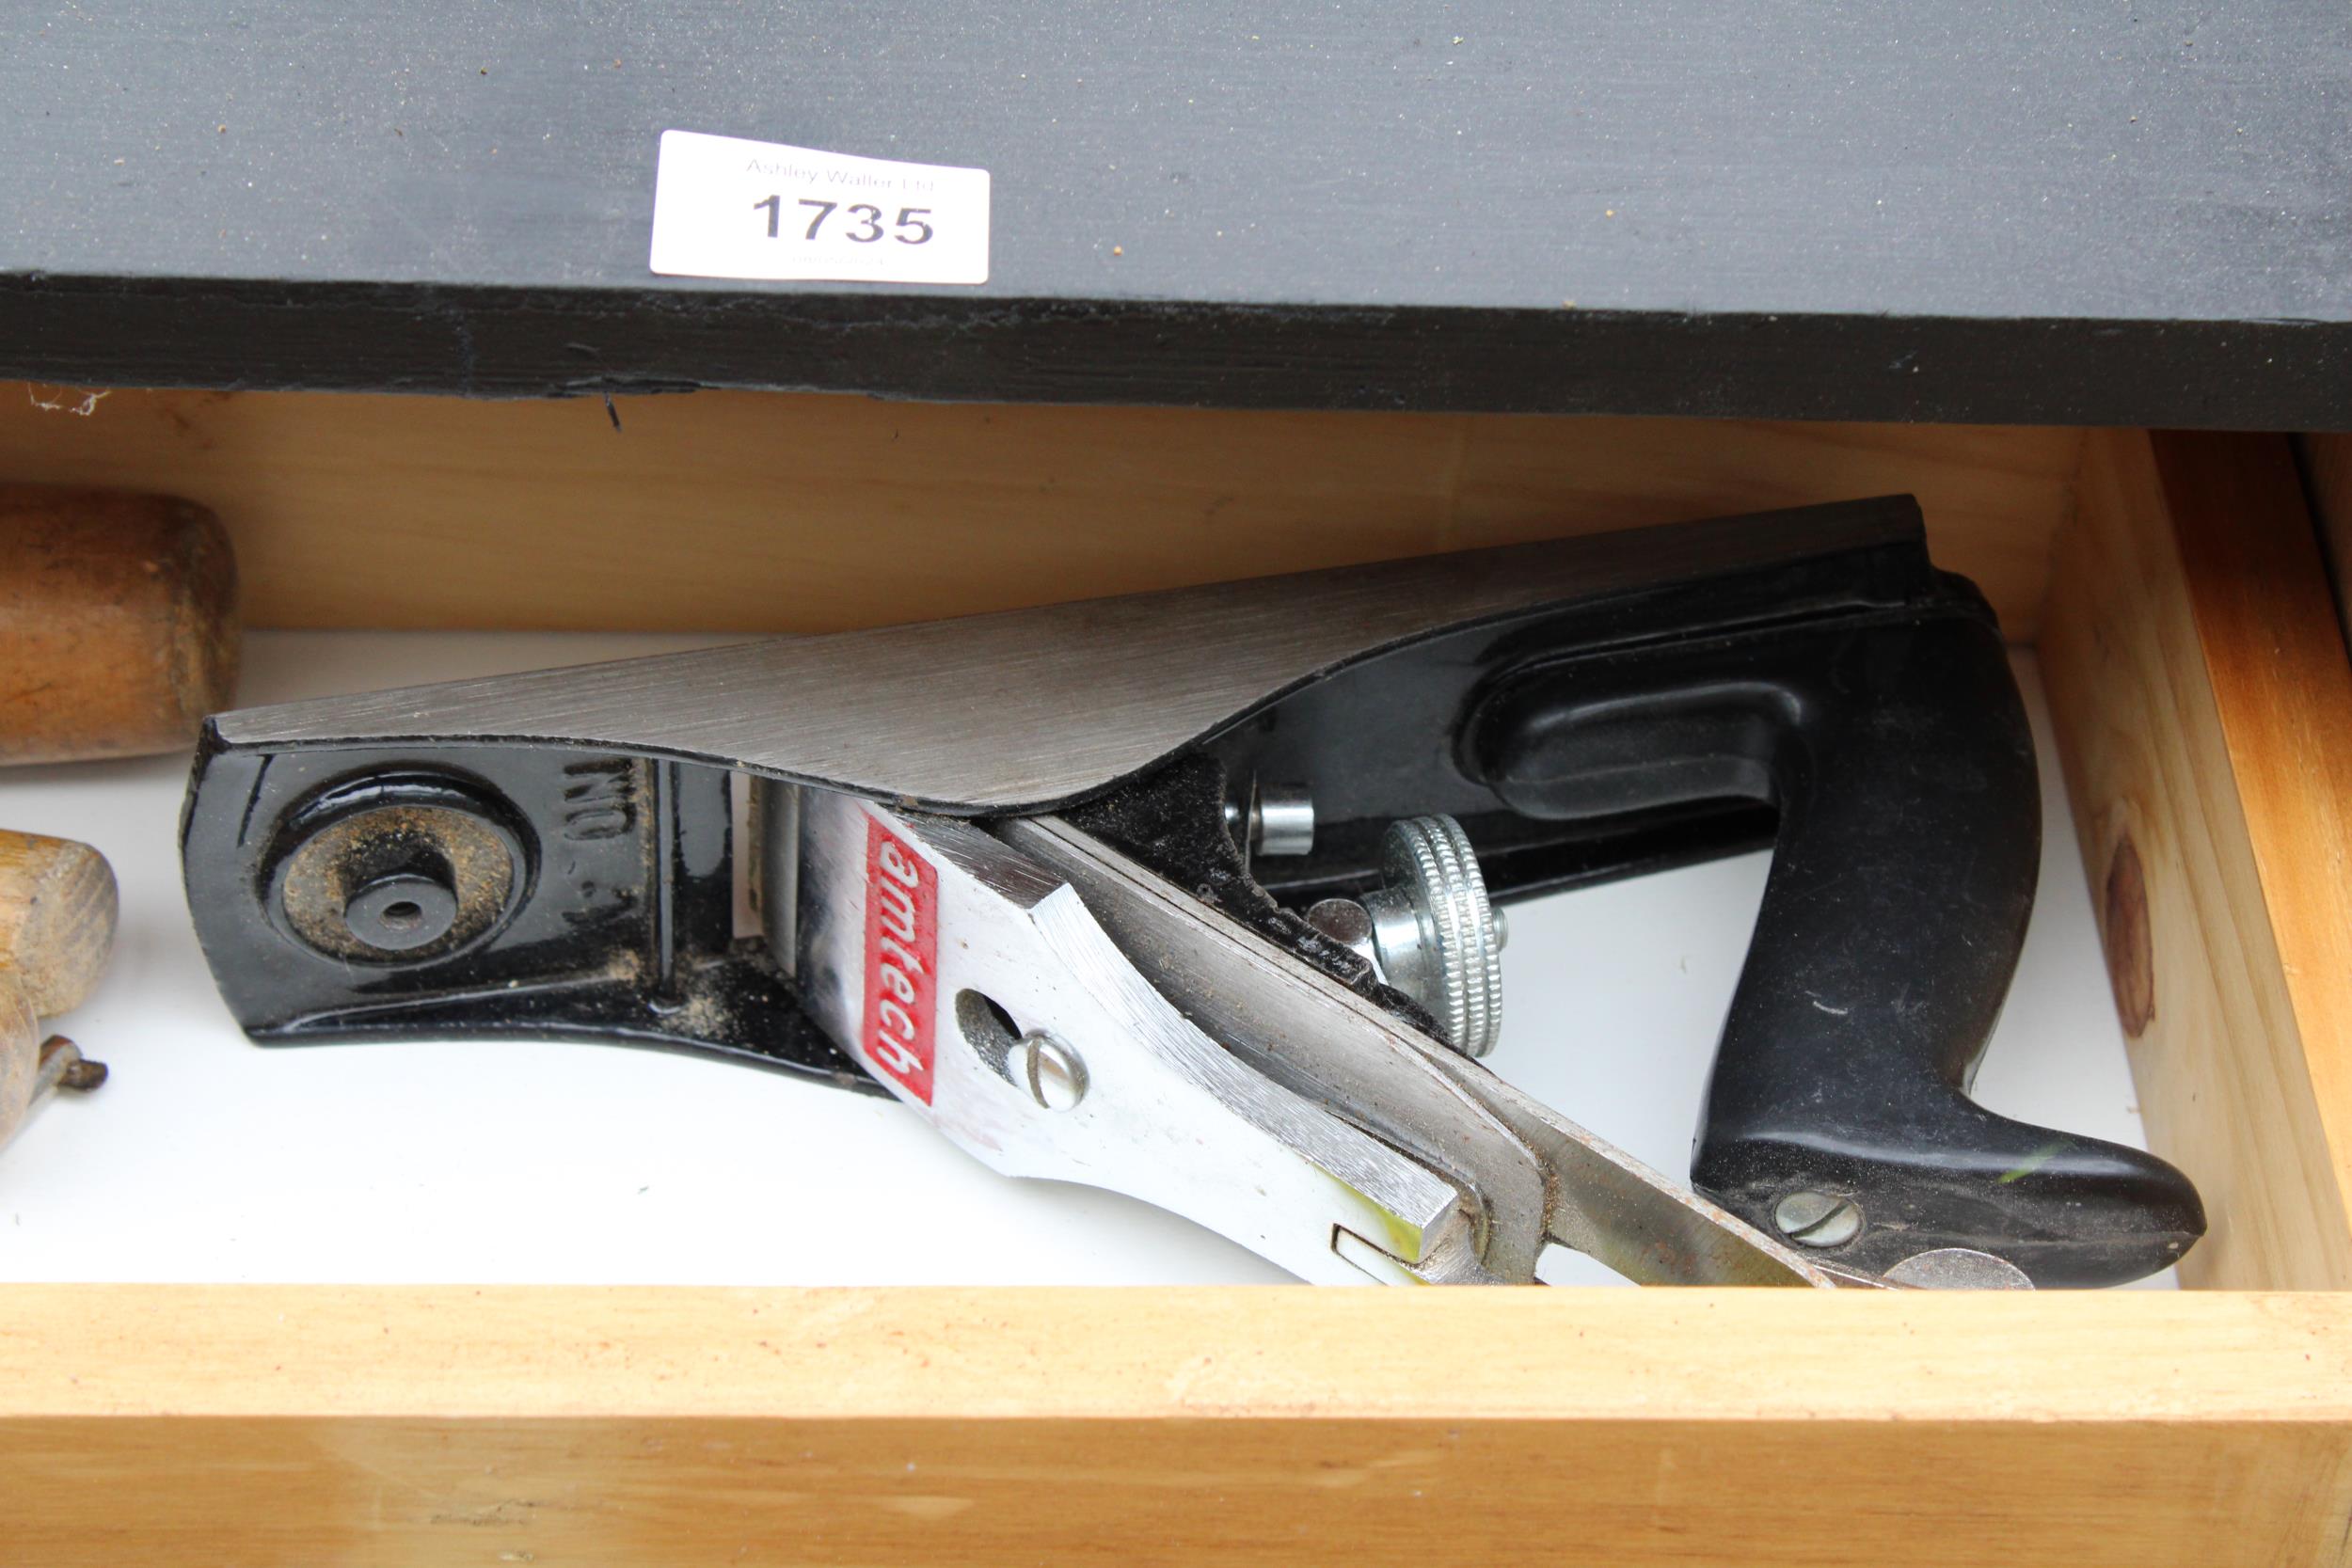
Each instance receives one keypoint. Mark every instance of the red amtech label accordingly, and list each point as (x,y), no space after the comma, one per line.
(902,960)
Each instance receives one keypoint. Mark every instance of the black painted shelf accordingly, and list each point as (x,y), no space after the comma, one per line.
(1966,210)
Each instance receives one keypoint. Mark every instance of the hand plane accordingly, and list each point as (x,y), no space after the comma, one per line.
(1194,894)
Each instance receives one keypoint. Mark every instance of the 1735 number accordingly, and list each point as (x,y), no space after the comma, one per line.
(909,227)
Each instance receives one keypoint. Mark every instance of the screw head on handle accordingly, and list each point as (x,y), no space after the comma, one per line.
(1817,1219)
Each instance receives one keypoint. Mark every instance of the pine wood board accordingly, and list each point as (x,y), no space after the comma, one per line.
(2203,704)
(619,1427)
(779,513)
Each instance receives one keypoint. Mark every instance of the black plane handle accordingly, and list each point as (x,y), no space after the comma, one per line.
(1894,744)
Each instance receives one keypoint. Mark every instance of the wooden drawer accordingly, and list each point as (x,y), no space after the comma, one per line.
(2174,588)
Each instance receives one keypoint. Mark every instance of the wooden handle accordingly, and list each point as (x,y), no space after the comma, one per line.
(118,624)
(58,909)
(20,1056)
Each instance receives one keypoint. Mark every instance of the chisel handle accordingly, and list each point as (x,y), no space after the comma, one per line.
(118,624)
(57,912)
